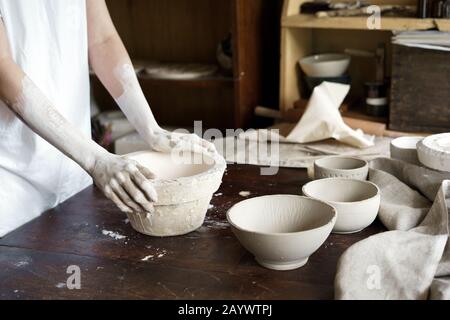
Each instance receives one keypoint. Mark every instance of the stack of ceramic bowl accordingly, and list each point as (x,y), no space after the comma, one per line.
(341,182)
(432,152)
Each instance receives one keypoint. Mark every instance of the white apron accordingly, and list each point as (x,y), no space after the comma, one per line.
(48,39)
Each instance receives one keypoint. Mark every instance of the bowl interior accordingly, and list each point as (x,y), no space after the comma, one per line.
(406,142)
(340,190)
(280,214)
(173,166)
(439,142)
(343,163)
(326,57)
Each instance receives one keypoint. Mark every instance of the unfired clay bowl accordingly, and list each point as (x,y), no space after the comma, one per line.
(434,152)
(184,189)
(325,65)
(405,149)
(282,231)
(341,167)
(357,202)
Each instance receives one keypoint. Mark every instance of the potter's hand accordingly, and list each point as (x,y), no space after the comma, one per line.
(125,182)
(165,141)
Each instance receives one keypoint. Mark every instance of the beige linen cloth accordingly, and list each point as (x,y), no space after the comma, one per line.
(412,260)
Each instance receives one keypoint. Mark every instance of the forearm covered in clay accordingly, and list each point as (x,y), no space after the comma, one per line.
(111,63)
(122,180)
(27,101)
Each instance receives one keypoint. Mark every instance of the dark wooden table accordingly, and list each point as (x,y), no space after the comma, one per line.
(206,264)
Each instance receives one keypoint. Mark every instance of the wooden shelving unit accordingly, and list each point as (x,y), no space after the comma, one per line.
(356,23)
(189,31)
(218,81)
(303,35)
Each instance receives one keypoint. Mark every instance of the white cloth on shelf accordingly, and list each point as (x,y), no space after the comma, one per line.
(320,121)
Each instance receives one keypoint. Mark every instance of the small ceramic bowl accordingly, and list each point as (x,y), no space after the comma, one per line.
(282,231)
(405,149)
(325,65)
(357,202)
(185,186)
(434,152)
(341,167)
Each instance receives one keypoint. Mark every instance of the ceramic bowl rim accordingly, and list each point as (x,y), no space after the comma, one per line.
(343,203)
(218,166)
(396,143)
(427,149)
(339,57)
(282,234)
(321,166)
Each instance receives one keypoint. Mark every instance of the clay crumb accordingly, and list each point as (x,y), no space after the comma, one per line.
(21,264)
(147,258)
(126,221)
(218,194)
(113,235)
(210,207)
(245,193)
(60,285)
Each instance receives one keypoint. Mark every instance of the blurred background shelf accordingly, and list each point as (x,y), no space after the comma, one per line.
(217,81)
(303,35)
(356,23)
(190,31)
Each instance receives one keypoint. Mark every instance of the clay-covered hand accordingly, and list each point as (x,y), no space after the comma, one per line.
(165,141)
(125,182)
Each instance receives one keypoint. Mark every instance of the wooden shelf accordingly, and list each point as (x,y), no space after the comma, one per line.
(218,81)
(356,23)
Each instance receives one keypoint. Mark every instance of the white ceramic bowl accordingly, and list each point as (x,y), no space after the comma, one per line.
(405,149)
(282,231)
(184,186)
(434,152)
(357,202)
(325,65)
(341,167)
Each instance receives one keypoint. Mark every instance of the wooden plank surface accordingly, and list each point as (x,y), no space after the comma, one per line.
(420,90)
(358,23)
(206,264)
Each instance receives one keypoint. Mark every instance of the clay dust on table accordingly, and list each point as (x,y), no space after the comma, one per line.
(114,235)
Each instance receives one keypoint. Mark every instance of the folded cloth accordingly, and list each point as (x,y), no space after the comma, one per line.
(412,261)
(320,121)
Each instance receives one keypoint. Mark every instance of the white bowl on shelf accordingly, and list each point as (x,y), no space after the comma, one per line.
(325,65)
(357,202)
(282,231)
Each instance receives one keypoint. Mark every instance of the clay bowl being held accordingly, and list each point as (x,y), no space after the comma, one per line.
(341,167)
(185,185)
(357,202)
(325,65)
(405,149)
(282,231)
